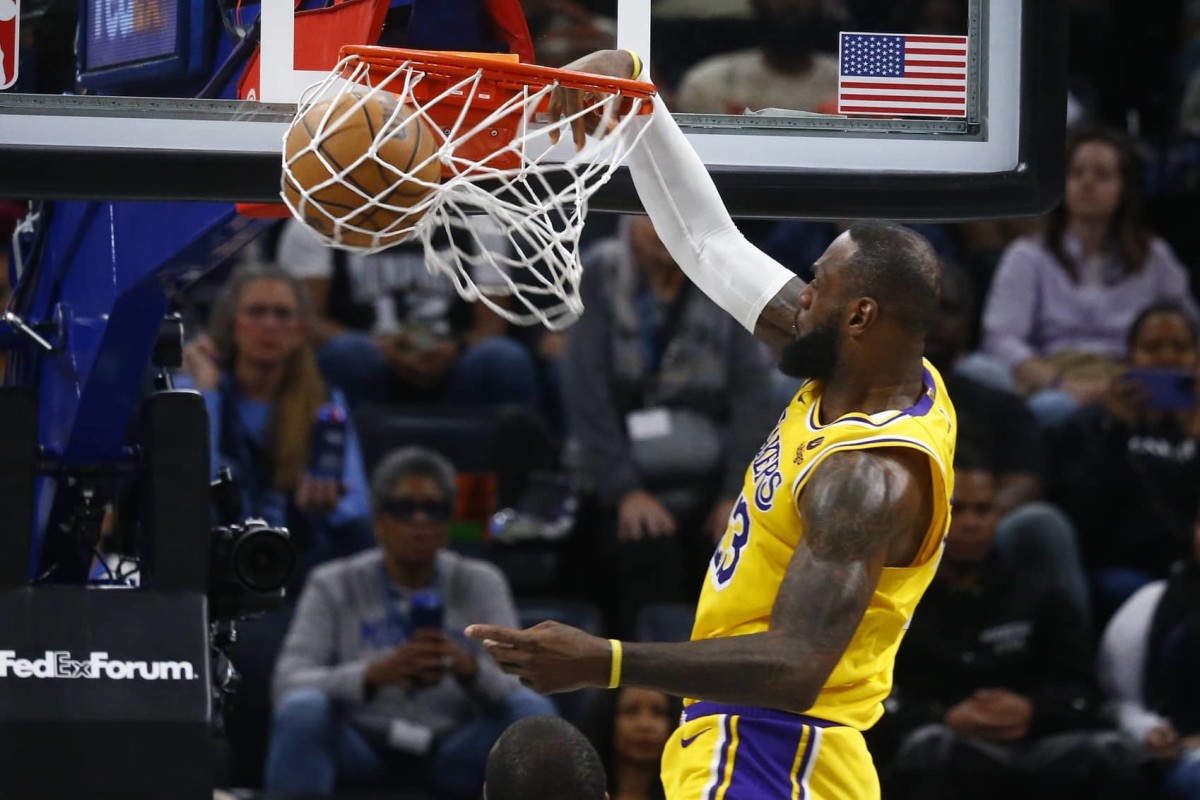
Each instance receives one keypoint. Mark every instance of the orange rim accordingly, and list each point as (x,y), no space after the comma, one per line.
(505,74)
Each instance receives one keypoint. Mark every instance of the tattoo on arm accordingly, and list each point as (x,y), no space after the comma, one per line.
(853,508)
(777,323)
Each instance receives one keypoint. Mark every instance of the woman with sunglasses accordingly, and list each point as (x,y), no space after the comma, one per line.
(376,687)
(258,373)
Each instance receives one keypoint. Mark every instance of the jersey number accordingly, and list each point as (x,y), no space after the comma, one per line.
(729,553)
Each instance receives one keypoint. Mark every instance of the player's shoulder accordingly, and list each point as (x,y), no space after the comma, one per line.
(875,482)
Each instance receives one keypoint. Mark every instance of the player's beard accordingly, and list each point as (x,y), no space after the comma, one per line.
(813,354)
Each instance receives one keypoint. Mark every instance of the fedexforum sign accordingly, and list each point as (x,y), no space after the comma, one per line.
(94,666)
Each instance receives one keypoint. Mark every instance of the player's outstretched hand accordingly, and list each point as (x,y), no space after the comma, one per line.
(566,103)
(549,657)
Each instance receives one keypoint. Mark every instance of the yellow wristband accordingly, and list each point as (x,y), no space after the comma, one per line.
(614,676)
(637,64)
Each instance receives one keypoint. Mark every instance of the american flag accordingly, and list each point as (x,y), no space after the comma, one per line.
(897,75)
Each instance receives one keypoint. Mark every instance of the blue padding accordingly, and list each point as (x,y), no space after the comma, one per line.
(446,25)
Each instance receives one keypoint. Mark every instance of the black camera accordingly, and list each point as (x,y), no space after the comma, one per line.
(250,565)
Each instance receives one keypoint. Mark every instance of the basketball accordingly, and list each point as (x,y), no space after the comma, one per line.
(326,142)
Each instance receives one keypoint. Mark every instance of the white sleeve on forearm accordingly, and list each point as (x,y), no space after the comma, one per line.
(691,219)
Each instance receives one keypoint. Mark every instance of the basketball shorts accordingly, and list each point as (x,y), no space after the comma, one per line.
(725,752)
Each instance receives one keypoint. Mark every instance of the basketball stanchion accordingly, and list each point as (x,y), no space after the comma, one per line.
(406,145)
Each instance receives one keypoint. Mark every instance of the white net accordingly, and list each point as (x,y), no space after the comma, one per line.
(343,179)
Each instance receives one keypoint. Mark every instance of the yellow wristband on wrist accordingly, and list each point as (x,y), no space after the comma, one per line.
(637,64)
(614,675)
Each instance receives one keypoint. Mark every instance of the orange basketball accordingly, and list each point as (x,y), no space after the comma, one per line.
(340,137)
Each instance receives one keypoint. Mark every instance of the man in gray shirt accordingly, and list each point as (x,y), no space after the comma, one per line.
(375,686)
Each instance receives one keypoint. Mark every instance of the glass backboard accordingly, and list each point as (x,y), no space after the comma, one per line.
(945,109)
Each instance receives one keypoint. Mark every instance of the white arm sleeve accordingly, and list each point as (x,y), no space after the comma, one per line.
(682,201)
(302,254)
(1122,661)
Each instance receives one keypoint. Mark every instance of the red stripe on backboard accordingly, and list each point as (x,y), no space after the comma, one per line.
(936,39)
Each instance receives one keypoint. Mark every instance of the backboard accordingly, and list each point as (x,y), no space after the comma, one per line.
(156,106)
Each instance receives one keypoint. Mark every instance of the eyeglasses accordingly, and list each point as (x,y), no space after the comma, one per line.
(260,311)
(404,509)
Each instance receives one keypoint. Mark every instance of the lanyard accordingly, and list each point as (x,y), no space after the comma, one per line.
(657,330)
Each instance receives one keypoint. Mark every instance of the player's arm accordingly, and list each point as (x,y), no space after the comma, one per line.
(861,511)
(691,219)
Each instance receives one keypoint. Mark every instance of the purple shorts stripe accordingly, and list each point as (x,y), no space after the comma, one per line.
(704,708)
(766,754)
(727,732)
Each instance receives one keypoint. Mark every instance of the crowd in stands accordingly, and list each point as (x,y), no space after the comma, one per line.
(1058,650)
(1054,653)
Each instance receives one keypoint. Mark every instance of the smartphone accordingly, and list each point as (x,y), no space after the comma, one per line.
(1166,389)
(425,611)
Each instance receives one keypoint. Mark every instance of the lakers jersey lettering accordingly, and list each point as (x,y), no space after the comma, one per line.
(765,528)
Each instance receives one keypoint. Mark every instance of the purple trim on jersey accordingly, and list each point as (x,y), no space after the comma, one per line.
(707,708)
(917,409)
(727,724)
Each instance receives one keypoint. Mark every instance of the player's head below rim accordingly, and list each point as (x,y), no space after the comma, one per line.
(865,314)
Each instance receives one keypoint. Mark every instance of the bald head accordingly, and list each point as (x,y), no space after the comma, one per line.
(899,268)
(544,757)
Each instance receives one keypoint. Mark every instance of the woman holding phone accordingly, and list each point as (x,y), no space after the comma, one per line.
(1127,470)
(1061,301)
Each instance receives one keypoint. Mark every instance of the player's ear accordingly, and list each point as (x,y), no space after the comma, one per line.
(863,314)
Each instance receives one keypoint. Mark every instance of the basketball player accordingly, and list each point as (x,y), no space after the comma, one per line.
(840,524)
(544,757)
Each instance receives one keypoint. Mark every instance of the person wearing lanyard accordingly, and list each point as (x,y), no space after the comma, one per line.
(664,395)
(372,690)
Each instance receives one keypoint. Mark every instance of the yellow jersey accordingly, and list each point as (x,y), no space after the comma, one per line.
(765,528)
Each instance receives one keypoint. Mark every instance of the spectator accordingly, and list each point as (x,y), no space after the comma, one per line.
(1149,660)
(388,329)
(995,423)
(629,729)
(259,379)
(260,382)
(370,692)
(664,396)
(1128,474)
(544,757)
(993,689)
(999,428)
(1060,303)
(791,68)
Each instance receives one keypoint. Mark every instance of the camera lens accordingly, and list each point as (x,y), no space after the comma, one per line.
(263,560)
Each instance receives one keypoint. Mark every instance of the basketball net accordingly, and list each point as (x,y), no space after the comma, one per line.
(496,161)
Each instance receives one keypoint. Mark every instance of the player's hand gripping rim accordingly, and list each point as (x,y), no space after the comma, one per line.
(567,103)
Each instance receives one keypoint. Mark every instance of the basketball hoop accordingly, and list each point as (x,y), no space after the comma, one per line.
(496,159)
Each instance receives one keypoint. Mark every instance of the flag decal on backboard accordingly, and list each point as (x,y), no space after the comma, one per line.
(902,75)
